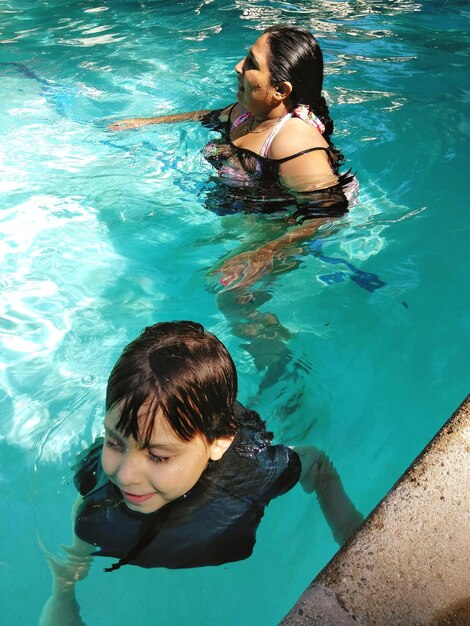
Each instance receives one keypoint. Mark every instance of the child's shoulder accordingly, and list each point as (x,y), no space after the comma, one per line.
(87,467)
(254,468)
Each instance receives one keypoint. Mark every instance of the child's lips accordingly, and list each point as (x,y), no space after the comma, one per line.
(135,498)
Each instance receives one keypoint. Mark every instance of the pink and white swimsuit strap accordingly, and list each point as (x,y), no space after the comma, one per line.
(303,112)
(267,144)
(240,120)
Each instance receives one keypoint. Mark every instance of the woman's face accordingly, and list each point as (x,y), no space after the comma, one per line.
(150,477)
(255,91)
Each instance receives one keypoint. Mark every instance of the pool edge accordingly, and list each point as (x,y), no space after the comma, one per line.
(409,562)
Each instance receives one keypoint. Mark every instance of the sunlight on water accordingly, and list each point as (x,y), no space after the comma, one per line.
(39,308)
(103,233)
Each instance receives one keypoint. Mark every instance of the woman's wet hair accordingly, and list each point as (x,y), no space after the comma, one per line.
(180,370)
(296,57)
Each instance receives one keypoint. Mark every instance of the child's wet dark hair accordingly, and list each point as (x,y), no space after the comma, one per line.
(180,370)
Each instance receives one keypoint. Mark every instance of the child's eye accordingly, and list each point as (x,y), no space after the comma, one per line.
(110,443)
(158,459)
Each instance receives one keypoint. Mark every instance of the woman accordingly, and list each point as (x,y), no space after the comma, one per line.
(275,149)
(275,155)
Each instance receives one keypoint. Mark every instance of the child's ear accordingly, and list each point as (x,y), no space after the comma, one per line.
(219,447)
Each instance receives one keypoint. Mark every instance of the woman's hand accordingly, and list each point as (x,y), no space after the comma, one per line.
(129,124)
(245,268)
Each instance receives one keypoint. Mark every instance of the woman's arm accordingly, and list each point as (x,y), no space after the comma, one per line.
(301,176)
(62,608)
(137,122)
(191,116)
(244,269)
(296,235)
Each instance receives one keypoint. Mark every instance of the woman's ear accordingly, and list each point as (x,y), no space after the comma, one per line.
(283,90)
(219,447)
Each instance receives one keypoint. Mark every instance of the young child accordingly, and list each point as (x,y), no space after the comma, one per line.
(184,472)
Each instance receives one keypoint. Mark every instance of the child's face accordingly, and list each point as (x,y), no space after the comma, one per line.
(166,469)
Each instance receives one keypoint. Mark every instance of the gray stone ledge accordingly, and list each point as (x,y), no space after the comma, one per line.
(318,606)
(409,563)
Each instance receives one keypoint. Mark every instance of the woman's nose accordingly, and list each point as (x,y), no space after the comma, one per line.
(239,67)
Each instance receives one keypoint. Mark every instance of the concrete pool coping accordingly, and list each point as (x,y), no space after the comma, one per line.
(409,562)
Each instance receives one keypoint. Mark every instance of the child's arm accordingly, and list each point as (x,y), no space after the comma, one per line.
(62,608)
(319,475)
(137,122)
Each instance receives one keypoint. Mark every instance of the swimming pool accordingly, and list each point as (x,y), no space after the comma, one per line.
(104,233)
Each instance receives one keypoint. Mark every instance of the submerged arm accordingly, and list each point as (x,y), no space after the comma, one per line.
(279,254)
(245,268)
(62,608)
(308,177)
(320,476)
(296,235)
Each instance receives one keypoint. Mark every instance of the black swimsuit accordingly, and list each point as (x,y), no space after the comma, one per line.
(252,185)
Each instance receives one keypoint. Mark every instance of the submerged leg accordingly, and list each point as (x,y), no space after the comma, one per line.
(265,337)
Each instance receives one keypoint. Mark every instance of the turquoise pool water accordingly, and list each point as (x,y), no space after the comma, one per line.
(104,233)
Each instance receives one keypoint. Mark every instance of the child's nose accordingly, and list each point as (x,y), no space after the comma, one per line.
(128,471)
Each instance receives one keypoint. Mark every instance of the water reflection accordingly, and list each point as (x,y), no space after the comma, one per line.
(244,282)
(324,15)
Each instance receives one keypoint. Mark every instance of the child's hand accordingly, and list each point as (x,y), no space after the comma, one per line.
(68,570)
(320,476)
(62,608)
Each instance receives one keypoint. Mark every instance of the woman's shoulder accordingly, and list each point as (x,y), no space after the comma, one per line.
(296,136)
